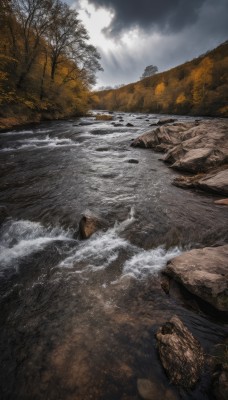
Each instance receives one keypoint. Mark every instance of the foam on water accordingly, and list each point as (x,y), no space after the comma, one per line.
(21,238)
(38,143)
(102,248)
(149,262)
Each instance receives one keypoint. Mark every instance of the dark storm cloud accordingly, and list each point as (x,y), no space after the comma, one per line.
(164,15)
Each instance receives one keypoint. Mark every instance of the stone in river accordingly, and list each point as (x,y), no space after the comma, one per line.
(223,202)
(89,224)
(132,161)
(180,353)
(204,273)
(220,373)
(149,390)
(129,124)
(164,121)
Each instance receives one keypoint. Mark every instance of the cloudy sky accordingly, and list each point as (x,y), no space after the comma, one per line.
(131,34)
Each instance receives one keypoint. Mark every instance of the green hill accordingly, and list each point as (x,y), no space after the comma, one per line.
(198,87)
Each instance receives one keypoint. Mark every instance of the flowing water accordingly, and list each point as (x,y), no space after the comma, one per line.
(78,318)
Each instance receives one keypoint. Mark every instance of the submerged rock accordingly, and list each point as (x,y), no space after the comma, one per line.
(149,390)
(129,124)
(132,161)
(204,273)
(220,387)
(89,224)
(180,353)
(164,121)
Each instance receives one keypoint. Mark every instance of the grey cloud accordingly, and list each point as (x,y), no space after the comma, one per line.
(163,15)
(167,51)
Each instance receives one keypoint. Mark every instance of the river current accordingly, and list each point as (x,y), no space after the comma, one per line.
(78,318)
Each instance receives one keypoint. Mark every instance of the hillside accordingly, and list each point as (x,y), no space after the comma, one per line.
(198,87)
(47,65)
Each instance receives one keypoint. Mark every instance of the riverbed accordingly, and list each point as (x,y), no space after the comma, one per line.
(78,318)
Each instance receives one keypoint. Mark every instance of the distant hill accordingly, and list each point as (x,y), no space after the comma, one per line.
(198,87)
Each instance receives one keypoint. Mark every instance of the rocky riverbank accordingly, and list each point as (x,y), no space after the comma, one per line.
(199,149)
(199,277)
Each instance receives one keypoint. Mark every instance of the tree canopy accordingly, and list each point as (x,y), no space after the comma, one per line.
(44,54)
(149,71)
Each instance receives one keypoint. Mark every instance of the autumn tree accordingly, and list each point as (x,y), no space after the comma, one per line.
(202,77)
(33,18)
(67,38)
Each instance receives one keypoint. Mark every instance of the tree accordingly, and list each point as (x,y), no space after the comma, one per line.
(67,38)
(33,17)
(149,71)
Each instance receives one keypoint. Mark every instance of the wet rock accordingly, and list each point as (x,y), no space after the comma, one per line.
(133,161)
(102,149)
(129,124)
(164,121)
(149,390)
(3,214)
(163,138)
(86,123)
(215,182)
(201,148)
(204,273)
(116,125)
(89,224)
(220,374)
(222,202)
(197,147)
(104,117)
(180,353)
(220,384)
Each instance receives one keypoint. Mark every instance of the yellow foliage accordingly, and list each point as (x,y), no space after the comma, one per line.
(201,76)
(159,89)
(223,111)
(181,98)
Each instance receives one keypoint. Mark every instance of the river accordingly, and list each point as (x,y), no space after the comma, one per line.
(78,318)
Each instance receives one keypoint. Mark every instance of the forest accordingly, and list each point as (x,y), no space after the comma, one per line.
(47,65)
(198,87)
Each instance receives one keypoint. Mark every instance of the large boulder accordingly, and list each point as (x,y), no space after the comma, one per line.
(195,147)
(215,181)
(89,224)
(201,147)
(180,353)
(204,273)
(163,138)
